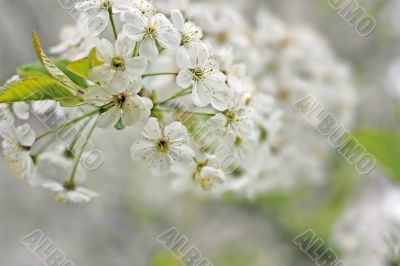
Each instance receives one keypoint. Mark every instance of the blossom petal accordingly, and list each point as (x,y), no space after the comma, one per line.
(124,46)
(142,150)
(104,50)
(185,78)
(176,131)
(133,32)
(135,67)
(181,153)
(98,96)
(119,82)
(218,120)
(178,19)
(109,118)
(152,129)
(25,135)
(160,164)
(131,111)
(134,87)
(134,17)
(149,49)
(102,73)
(21,110)
(200,96)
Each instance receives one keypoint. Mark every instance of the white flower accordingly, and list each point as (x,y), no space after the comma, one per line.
(236,73)
(146,8)
(67,193)
(74,43)
(235,121)
(150,31)
(94,16)
(17,143)
(191,34)
(21,110)
(70,36)
(207,81)
(126,105)
(209,177)
(162,150)
(119,64)
(5,112)
(62,160)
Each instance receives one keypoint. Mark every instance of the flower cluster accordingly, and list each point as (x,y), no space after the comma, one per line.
(191,100)
(273,65)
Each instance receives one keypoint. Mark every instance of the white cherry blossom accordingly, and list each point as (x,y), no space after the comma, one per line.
(67,193)
(145,7)
(209,177)
(162,149)
(62,159)
(94,16)
(190,33)
(17,143)
(124,104)
(119,64)
(198,71)
(235,121)
(75,43)
(150,31)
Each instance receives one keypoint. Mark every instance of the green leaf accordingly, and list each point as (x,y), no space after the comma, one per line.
(34,89)
(385,146)
(38,70)
(53,69)
(72,101)
(83,67)
(164,259)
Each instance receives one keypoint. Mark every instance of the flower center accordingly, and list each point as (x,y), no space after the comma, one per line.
(206,183)
(25,148)
(198,74)
(68,154)
(222,37)
(284,95)
(238,142)
(69,185)
(118,63)
(150,31)
(120,99)
(106,4)
(231,116)
(163,145)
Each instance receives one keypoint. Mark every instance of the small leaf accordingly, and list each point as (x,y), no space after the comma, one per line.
(120,125)
(38,70)
(83,67)
(385,146)
(34,89)
(72,101)
(53,69)
(164,258)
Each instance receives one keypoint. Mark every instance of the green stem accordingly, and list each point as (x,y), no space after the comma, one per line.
(72,146)
(65,126)
(45,146)
(184,112)
(110,14)
(137,48)
(179,94)
(78,159)
(159,74)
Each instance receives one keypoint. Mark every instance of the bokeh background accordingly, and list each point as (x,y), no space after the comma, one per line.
(121,226)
